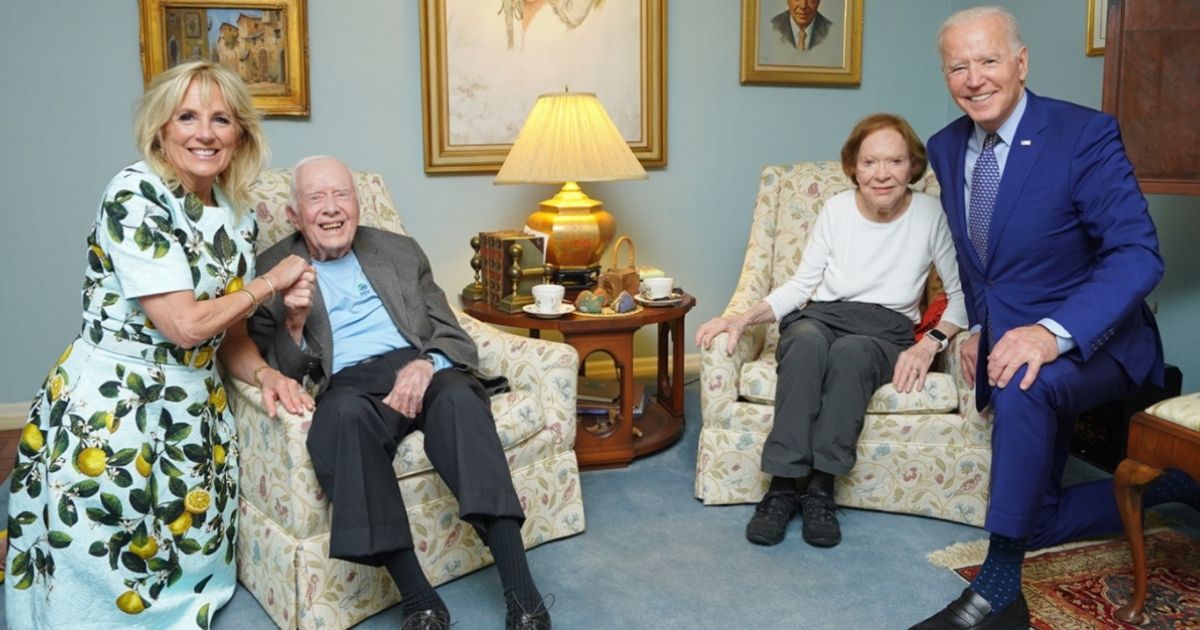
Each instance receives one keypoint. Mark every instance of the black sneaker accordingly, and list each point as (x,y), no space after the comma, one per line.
(431,619)
(821,527)
(769,524)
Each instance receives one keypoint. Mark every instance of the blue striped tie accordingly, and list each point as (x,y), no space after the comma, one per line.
(985,182)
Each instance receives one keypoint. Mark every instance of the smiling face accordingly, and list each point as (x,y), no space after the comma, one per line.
(803,11)
(200,139)
(883,170)
(984,70)
(325,207)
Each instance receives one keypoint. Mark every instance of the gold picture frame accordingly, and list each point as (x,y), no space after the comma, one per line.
(832,44)
(265,41)
(1097,27)
(483,70)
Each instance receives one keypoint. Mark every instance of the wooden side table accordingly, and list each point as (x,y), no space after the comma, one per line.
(661,422)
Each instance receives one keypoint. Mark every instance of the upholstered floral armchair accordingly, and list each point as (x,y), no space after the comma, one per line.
(284,530)
(925,453)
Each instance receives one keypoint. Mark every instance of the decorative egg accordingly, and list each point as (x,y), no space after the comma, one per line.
(624,303)
(589,302)
(604,296)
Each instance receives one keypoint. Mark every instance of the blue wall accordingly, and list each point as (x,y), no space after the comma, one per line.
(72,73)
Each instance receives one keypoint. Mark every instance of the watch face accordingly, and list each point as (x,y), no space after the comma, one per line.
(937,334)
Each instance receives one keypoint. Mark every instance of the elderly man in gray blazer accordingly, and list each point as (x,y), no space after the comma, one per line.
(368,325)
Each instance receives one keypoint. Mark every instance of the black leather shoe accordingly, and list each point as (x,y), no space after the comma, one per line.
(430,619)
(520,619)
(769,524)
(821,528)
(970,612)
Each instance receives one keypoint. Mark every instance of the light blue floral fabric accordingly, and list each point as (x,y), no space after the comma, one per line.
(124,495)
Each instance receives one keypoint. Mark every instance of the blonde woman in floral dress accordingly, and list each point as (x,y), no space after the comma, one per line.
(124,496)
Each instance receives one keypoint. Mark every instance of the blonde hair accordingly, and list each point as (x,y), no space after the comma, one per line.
(163,96)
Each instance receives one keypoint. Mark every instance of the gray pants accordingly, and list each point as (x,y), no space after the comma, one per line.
(832,357)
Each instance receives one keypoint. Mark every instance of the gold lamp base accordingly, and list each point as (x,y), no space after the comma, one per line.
(577,226)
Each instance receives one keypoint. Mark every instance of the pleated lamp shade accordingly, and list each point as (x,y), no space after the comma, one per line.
(569,138)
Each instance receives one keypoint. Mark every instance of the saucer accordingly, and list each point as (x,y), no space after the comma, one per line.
(675,298)
(563,309)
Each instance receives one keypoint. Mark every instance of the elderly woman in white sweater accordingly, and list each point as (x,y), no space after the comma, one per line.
(846,321)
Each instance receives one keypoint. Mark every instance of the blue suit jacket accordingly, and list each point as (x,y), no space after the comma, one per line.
(1071,237)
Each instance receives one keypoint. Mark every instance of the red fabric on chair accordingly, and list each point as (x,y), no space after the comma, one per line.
(932,315)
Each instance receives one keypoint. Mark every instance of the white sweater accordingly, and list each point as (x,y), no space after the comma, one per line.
(851,258)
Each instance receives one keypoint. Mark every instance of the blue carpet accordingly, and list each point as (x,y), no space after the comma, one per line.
(653,557)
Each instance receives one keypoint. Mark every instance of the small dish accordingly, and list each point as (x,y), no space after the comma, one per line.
(563,309)
(675,298)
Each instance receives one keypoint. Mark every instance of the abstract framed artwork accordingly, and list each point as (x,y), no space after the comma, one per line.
(802,42)
(1097,27)
(264,41)
(483,69)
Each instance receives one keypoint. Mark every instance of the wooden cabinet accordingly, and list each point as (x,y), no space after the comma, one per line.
(1152,86)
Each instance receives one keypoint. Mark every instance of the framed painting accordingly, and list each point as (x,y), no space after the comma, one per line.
(1097,26)
(802,42)
(264,41)
(483,70)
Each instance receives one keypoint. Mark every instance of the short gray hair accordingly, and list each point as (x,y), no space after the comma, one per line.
(293,188)
(1012,31)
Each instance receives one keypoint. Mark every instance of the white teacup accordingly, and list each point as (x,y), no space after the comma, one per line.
(658,288)
(547,297)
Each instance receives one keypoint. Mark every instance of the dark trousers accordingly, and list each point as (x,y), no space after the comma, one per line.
(1031,437)
(832,357)
(354,437)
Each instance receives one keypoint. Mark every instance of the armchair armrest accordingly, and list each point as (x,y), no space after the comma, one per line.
(978,426)
(276,473)
(548,369)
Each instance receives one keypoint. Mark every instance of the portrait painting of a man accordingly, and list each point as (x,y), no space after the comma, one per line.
(801,32)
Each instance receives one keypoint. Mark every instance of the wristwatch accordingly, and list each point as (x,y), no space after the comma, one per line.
(940,337)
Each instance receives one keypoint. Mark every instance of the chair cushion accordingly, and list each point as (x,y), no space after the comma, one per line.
(517,420)
(758,380)
(1181,410)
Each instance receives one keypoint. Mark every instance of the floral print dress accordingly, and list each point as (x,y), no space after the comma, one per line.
(124,494)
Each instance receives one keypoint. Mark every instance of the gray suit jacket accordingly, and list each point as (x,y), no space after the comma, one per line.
(783,25)
(399,272)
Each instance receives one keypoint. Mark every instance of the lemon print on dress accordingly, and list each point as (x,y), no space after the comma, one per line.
(92,461)
(234,285)
(180,525)
(197,501)
(202,356)
(218,399)
(130,602)
(142,466)
(144,549)
(31,437)
(219,455)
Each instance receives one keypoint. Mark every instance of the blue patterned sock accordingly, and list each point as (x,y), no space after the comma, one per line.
(999,579)
(1173,486)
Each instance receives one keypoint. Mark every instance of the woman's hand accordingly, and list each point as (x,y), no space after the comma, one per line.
(913,365)
(709,330)
(286,272)
(277,388)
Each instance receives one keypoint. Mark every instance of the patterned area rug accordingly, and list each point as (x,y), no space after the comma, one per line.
(1081,585)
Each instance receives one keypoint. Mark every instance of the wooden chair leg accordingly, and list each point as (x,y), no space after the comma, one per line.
(1129,483)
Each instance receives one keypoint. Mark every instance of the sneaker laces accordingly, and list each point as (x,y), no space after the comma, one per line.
(434,620)
(515,608)
(819,509)
(775,504)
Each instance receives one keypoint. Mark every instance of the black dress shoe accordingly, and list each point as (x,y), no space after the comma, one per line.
(769,524)
(970,612)
(821,528)
(431,619)
(520,619)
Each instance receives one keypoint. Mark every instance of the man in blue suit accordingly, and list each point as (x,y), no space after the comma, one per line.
(1057,254)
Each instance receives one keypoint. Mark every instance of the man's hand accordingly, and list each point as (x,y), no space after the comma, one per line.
(1033,345)
(968,353)
(409,390)
(298,300)
(717,325)
(277,388)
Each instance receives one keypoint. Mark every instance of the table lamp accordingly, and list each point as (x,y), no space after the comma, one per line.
(569,138)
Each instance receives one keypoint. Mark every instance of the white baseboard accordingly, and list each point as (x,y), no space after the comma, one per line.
(600,366)
(12,415)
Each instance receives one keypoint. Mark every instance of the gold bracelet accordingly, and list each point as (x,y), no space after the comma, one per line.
(253,302)
(258,370)
(270,284)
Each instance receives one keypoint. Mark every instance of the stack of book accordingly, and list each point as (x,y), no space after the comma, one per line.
(599,397)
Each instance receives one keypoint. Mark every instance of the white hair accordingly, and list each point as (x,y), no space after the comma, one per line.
(293,188)
(1011,30)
